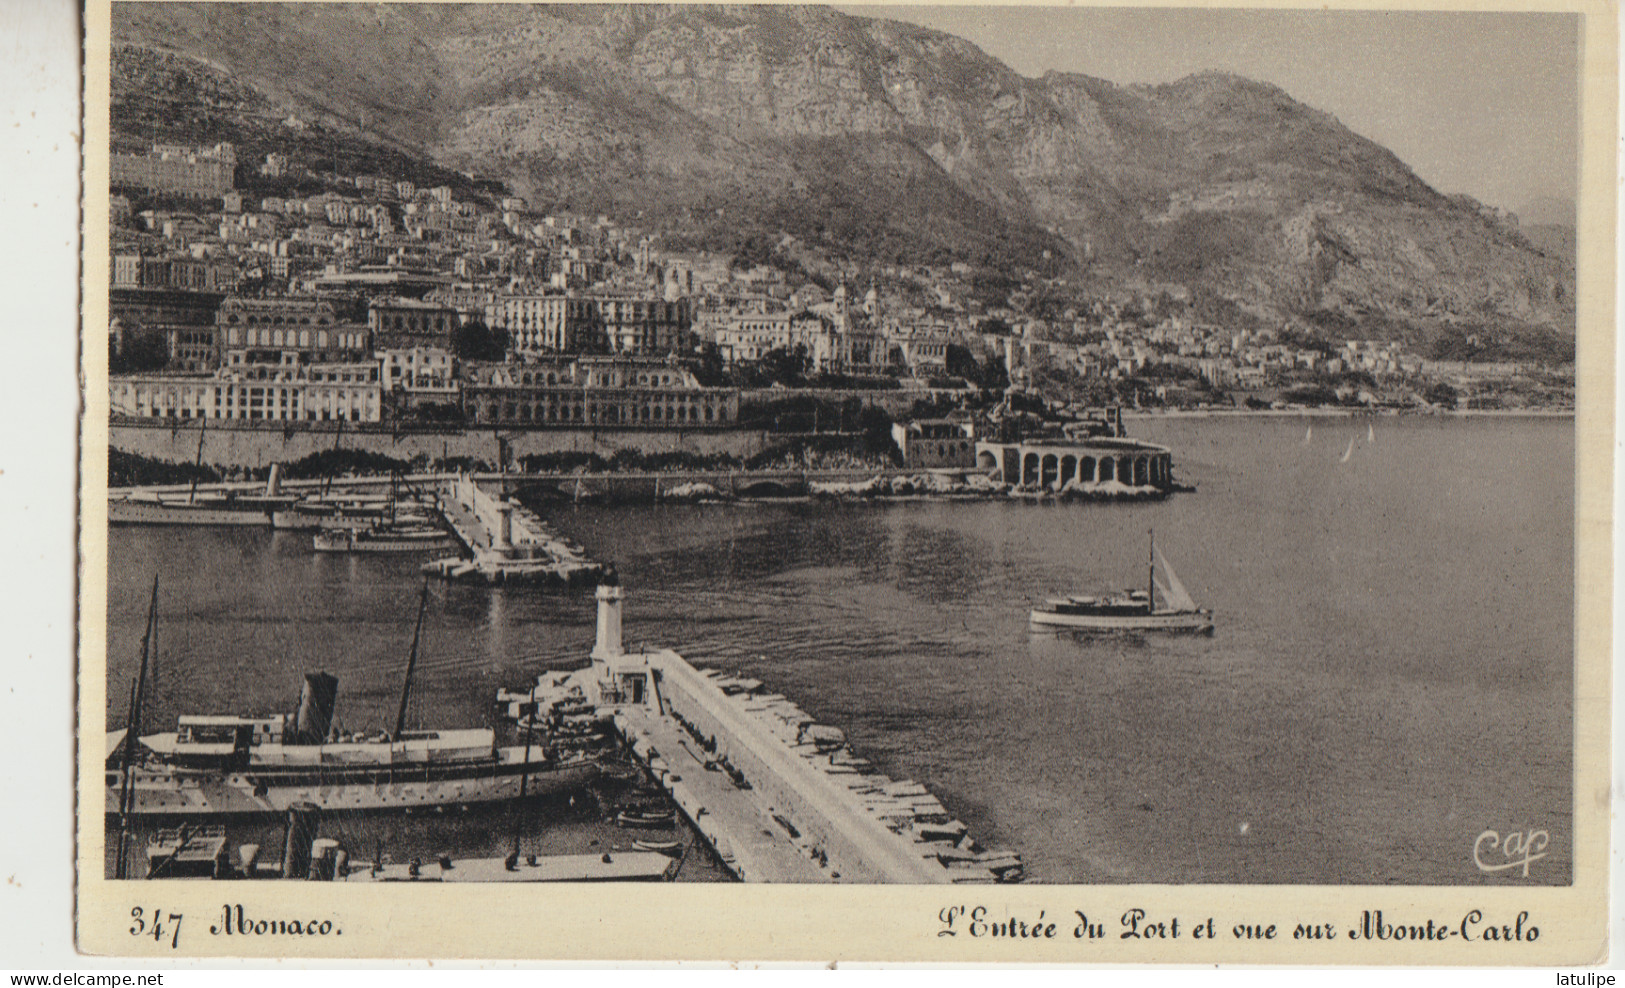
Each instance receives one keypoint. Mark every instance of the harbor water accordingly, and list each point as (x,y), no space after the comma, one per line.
(1391,675)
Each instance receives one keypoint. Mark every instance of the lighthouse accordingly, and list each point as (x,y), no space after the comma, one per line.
(608,645)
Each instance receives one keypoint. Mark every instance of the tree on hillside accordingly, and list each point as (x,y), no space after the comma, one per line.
(477,341)
(143,349)
(787,367)
(1441,393)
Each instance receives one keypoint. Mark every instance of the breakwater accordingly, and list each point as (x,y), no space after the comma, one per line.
(777,797)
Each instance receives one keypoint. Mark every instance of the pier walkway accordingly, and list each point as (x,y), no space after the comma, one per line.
(506,540)
(778,797)
(750,842)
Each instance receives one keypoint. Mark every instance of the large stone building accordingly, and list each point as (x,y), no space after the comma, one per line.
(202,172)
(567,323)
(402,324)
(180,272)
(540,324)
(936,443)
(286,392)
(185,318)
(597,392)
(642,326)
(752,336)
(263,330)
(420,374)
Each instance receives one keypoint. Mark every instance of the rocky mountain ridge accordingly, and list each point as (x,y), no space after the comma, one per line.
(879,141)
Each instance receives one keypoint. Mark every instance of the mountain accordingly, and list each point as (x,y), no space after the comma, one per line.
(871,141)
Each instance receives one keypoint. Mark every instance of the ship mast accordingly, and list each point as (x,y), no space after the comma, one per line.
(411,662)
(524,779)
(197,464)
(132,732)
(1151,572)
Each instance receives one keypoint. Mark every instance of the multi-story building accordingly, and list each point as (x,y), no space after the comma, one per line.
(418,369)
(177,271)
(598,392)
(935,443)
(567,323)
(205,173)
(284,392)
(752,336)
(642,326)
(925,352)
(540,324)
(163,307)
(192,348)
(263,330)
(401,323)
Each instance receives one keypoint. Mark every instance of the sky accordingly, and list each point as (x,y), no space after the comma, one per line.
(1481,103)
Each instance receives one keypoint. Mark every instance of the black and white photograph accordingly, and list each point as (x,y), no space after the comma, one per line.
(989,448)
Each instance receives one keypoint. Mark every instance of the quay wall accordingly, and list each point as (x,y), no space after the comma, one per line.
(241,444)
(893,401)
(859,847)
(646,487)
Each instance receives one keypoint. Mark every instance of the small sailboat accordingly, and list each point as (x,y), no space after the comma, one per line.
(1165,605)
(1370,433)
(1308,434)
(1348,452)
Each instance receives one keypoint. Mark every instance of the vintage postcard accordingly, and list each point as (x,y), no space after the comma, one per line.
(847,483)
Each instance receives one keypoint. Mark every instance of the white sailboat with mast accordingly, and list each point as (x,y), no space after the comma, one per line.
(1164,605)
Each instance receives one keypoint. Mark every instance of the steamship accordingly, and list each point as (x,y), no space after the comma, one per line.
(228,507)
(247,765)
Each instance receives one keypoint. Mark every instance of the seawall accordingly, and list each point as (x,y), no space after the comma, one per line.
(242,444)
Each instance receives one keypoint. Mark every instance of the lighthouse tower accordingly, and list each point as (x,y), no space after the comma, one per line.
(608,645)
(622,678)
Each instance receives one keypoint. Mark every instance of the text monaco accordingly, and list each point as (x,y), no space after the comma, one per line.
(1137,924)
(235,922)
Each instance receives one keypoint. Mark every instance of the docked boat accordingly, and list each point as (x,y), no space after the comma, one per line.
(215,507)
(384,538)
(646,819)
(320,515)
(623,866)
(195,507)
(1165,605)
(228,764)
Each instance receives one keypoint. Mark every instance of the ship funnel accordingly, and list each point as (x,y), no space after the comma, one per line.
(315,717)
(273,482)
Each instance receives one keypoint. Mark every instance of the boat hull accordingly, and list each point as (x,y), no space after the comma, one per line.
(386,543)
(622,866)
(123,512)
(185,793)
(327,521)
(1181,622)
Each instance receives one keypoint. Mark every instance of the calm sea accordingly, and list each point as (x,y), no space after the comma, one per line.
(1391,676)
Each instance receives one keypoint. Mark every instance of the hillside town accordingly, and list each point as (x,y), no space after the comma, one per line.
(376,301)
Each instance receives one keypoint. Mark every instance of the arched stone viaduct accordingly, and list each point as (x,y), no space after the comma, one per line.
(1054,463)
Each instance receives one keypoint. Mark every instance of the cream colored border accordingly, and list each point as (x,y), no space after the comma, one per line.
(673,922)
